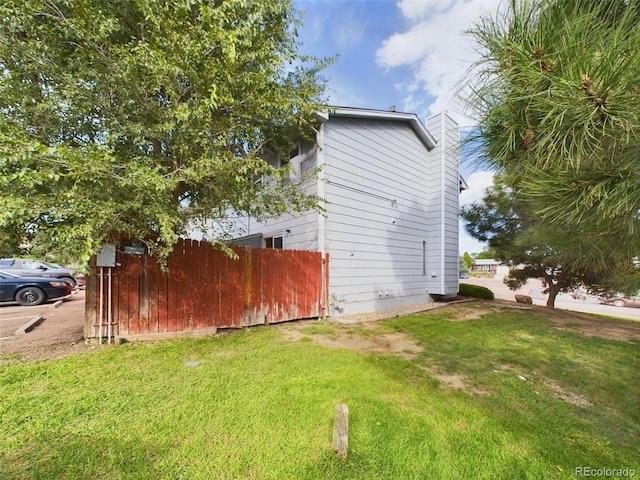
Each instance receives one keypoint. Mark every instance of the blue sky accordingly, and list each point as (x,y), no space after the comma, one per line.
(406,53)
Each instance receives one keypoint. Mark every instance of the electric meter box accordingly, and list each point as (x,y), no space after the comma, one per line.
(107,256)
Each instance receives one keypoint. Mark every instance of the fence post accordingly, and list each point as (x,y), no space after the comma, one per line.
(340,441)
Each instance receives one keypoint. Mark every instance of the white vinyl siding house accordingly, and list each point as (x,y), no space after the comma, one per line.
(376,222)
(390,227)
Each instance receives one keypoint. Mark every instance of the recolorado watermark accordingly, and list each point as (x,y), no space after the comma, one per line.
(604,472)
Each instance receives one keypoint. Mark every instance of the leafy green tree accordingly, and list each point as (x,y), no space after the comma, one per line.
(487,254)
(557,102)
(10,243)
(462,266)
(145,117)
(516,235)
(468,260)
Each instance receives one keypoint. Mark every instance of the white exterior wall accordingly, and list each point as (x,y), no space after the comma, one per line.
(444,188)
(376,184)
(390,229)
(300,231)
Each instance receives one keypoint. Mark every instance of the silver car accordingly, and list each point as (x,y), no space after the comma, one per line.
(35,268)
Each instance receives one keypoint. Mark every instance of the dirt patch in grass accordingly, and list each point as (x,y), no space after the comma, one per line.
(366,339)
(468,314)
(568,396)
(480,308)
(455,382)
(589,326)
(346,337)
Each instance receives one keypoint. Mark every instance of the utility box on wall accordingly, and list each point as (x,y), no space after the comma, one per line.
(107,256)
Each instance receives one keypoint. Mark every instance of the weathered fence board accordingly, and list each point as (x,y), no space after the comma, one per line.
(205,289)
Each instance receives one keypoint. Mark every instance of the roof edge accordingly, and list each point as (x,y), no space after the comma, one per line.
(418,127)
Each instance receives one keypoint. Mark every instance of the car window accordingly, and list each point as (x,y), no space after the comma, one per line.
(6,263)
(33,265)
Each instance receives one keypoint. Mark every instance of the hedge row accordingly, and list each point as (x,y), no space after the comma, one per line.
(476,291)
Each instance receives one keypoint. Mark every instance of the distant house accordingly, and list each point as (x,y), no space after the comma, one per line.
(391,222)
(485,265)
(490,266)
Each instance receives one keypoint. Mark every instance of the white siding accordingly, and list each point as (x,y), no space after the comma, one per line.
(443,216)
(376,178)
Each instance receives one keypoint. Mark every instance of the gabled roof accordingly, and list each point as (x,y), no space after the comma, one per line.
(463,183)
(486,261)
(411,118)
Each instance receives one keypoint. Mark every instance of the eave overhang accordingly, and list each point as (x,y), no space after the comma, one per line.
(411,118)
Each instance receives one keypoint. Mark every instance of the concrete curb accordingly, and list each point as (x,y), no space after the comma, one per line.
(30,325)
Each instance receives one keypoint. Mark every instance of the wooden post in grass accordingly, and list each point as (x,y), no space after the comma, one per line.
(340,441)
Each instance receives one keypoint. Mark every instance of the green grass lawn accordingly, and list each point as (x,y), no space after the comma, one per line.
(532,401)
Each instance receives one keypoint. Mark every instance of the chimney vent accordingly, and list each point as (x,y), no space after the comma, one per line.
(392,108)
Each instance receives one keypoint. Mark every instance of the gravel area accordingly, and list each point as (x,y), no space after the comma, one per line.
(395,312)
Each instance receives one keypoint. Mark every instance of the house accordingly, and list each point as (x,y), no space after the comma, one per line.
(391,186)
(485,265)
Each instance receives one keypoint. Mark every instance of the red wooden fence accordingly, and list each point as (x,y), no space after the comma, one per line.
(204,289)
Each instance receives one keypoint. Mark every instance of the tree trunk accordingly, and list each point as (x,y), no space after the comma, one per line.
(553,293)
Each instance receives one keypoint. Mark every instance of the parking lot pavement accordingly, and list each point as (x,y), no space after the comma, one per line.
(15,319)
(9,326)
(60,333)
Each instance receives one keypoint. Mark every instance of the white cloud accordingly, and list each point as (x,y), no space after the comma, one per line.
(436,50)
(404,48)
(478,183)
(417,9)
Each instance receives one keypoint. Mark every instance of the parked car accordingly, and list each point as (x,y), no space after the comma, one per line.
(35,268)
(463,275)
(620,300)
(79,277)
(31,290)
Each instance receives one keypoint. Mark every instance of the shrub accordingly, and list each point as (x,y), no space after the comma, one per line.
(476,291)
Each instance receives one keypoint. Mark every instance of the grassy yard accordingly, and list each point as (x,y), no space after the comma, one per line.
(472,391)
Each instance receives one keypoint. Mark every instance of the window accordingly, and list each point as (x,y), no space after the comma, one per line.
(274,242)
(293,153)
